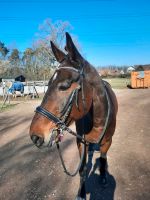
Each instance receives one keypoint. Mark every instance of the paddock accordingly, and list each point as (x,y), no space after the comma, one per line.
(26,172)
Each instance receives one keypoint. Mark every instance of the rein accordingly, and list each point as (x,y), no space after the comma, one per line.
(61,122)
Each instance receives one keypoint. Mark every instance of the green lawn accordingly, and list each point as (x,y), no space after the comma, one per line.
(118,83)
(6,106)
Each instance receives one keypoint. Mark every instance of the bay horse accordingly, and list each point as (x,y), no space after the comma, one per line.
(76,93)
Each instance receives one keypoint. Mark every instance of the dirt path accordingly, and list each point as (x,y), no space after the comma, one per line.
(26,173)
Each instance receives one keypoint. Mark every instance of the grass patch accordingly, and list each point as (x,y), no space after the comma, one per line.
(6,107)
(118,83)
(21,98)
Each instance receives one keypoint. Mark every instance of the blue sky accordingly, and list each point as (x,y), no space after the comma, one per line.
(110,32)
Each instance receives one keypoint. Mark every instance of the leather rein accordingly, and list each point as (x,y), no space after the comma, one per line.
(62,122)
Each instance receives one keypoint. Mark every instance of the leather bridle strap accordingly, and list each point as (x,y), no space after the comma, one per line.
(62,120)
(48,115)
(59,123)
(107,117)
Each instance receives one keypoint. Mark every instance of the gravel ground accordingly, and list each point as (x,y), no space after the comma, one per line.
(27,173)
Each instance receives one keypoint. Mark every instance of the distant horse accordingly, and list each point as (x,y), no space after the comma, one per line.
(17,88)
(76,93)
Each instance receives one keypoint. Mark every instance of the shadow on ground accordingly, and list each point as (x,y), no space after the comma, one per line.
(94,189)
(26,172)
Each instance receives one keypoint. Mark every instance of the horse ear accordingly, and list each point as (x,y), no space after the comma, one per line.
(59,55)
(71,48)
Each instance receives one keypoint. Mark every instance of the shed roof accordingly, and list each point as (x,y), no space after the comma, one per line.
(142,67)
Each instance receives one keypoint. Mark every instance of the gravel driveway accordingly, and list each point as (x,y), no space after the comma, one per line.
(26,173)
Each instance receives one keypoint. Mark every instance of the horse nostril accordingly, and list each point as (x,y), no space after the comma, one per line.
(38,141)
(34,138)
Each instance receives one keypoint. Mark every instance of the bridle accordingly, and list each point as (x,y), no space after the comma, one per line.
(62,121)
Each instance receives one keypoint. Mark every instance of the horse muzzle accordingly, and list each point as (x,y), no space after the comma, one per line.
(48,141)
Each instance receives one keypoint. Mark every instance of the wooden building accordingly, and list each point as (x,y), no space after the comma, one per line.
(140,78)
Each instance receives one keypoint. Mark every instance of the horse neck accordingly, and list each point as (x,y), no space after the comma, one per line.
(97,84)
(93,77)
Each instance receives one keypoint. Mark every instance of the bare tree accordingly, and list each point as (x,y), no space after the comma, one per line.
(43,61)
(53,31)
(37,62)
(4,65)
(3,50)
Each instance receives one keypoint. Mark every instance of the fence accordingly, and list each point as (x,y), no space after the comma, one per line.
(30,87)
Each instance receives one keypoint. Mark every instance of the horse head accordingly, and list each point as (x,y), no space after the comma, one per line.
(68,97)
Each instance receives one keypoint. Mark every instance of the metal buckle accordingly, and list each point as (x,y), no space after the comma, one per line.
(56,136)
(59,136)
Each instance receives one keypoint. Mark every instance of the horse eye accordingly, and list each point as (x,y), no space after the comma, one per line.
(64,86)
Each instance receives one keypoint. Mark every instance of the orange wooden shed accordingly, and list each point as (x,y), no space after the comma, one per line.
(140,79)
